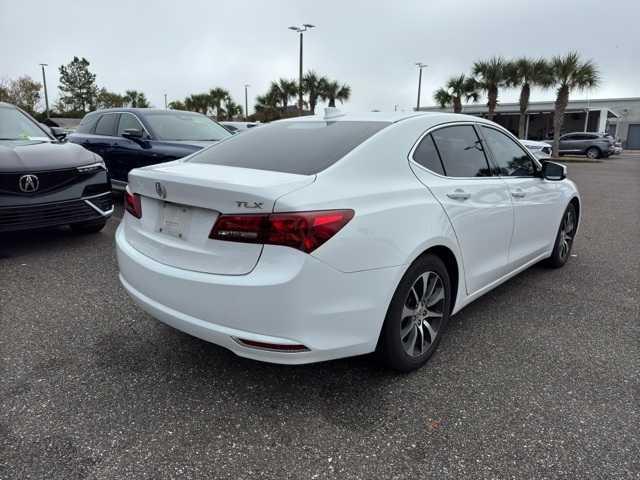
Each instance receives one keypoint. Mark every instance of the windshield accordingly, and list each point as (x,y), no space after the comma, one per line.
(185,126)
(14,125)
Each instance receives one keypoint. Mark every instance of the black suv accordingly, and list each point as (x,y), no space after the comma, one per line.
(591,144)
(127,138)
(46,183)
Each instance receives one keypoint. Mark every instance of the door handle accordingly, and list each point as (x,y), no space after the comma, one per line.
(518,194)
(458,194)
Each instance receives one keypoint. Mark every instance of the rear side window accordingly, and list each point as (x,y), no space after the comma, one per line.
(303,148)
(427,155)
(87,123)
(107,124)
(461,152)
(128,121)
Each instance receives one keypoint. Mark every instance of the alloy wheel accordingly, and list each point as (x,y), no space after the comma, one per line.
(566,233)
(422,314)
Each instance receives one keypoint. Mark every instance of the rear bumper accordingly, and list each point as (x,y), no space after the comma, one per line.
(289,298)
(51,214)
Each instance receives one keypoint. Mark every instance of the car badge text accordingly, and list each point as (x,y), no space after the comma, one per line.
(28,183)
(161,190)
(249,204)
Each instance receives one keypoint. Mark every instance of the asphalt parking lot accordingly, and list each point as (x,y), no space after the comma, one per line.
(538,379)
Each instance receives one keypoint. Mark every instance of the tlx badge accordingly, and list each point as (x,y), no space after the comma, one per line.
(249,204)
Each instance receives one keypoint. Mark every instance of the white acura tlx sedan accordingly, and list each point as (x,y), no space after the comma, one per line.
(328,236)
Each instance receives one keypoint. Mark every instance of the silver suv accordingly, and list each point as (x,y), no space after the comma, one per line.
(591,144)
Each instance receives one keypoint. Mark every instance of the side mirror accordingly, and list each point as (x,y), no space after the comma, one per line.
(553,171)
(58,132)
(132,133)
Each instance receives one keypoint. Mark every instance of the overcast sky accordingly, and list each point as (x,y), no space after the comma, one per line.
(183,47)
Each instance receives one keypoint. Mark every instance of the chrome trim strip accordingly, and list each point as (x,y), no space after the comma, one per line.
(265,349)
(101,212)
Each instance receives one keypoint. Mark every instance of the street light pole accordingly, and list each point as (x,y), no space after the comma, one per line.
(46,95)
(420,66)
(246,102)
(301,30)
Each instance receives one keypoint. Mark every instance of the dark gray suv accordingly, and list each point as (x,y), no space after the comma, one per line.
(591,144)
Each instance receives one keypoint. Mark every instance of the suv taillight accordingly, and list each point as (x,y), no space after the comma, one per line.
(304,231)
(132,203)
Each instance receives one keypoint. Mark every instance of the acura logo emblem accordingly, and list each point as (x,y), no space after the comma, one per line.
(28,183)
(161,190)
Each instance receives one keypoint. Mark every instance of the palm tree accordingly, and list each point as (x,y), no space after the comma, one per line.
(231,108)
(216,97)
(332,91)
(135,99)
(177,105)
(455,90)
(267,106)
(525,73)
(313,86)
(491,78)
(283,90)
(569,73)
(198,102)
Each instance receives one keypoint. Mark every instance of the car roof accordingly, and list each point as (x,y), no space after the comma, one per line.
(140,111)
(7,105)
(390,117)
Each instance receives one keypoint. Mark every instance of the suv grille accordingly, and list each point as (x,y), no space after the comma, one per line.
(46,215)
(47,181)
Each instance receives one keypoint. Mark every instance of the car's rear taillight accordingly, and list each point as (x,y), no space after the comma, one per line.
(304,231)
(132,203)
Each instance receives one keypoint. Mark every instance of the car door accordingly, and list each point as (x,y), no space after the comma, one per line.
(570,143)
(478,204)
(130,153)
(103,138)
(536,202)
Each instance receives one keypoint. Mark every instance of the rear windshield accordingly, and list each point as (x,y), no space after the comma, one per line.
(303,148)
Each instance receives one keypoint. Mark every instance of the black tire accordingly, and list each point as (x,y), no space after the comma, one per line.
(392,350)
(94,226)
(564,238)
(593,152)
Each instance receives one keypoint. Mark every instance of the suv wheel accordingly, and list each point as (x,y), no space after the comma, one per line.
(417,316)
(593,152)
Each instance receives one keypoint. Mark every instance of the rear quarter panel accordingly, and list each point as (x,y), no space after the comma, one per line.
(396,217)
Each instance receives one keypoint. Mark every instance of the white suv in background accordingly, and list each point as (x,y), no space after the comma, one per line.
(541,150)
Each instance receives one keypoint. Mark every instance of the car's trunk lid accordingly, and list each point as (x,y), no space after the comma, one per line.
(182,201)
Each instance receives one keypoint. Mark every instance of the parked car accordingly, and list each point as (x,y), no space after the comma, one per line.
(45,183)
(541,150)
(617,147)
(591,144)
(128,138)
(321,237)
(239,127)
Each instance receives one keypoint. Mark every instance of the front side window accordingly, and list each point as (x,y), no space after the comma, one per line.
(461,151)
(174,125)
(427,155)
(127,122)
(107,124)
(87,123)
(509,157)
(303,148)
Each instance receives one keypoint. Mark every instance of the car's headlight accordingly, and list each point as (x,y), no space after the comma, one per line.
(97,165)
